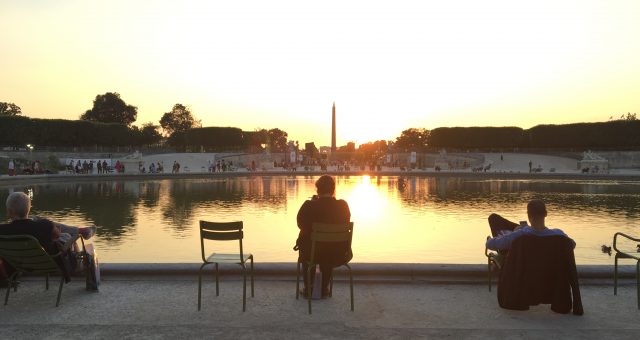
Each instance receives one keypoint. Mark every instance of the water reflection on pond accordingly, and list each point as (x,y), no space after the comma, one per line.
(397,219)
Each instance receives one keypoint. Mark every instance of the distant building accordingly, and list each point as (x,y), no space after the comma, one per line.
(325,149)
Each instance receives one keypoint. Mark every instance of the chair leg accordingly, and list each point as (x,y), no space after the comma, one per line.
(252,293)
(298,280)
(200,285)
(310,283)
(244,287)
(217,282)
(10,281)
(350,284)
(331,285)
(489,274)
(60,290)
(615,276)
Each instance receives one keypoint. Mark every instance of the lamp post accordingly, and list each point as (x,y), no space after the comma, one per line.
(30,147)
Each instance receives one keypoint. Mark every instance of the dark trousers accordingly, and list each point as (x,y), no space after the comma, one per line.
(498,223)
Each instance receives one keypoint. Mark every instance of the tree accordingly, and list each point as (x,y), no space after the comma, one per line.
(277,140)
(109,108)
(179,119)
(9,109)
(311,150)
(628,117)
(412,139)
(373,150)
(350,147)
(150,134)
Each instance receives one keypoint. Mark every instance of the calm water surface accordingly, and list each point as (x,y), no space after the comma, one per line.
(433,220)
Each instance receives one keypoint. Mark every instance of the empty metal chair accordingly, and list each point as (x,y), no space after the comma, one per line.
(224,231)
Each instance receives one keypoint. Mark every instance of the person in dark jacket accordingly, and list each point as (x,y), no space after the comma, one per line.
(322,208)
(50,235)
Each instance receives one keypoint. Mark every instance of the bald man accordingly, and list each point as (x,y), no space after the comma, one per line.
(45,231)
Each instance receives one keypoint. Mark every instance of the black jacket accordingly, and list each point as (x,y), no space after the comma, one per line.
(540,269)
(323,210)
(43,231)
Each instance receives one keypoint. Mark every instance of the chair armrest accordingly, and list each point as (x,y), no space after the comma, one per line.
(615,244)
(486,250)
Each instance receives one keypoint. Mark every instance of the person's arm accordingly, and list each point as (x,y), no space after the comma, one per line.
(302,217)
(346,211)
(503,242)
(55,232)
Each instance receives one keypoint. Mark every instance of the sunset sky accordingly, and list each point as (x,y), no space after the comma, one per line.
(388,65)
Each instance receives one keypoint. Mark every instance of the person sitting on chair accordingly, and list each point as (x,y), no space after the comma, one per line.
(50,235)
(322,208)
(504,232)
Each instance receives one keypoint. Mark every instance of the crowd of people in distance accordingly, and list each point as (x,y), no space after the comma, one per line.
(223,166)
(153,168)
(27,168)
(84,167)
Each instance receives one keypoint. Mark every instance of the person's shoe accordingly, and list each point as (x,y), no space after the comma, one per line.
(88,232)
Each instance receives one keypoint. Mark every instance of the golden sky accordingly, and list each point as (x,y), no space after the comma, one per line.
(388,65)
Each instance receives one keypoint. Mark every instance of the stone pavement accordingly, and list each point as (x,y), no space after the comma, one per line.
(166,307)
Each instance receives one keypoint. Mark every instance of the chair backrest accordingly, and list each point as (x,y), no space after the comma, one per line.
(24,253)
(221,231)
(330,233)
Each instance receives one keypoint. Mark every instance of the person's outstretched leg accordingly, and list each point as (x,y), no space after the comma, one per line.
(498,223)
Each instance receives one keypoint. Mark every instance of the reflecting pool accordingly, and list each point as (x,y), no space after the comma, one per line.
(397,219)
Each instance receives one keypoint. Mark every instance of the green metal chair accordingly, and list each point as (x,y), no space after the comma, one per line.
(224,231)
(492,257)
(625,255)
(327,233)
(25,254)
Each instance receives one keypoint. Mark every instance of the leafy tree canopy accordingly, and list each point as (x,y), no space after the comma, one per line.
(629,116)
(373,150)
(350,147)
(277,140)
(149,133)
(109,108)
(9,109)
(412,139)
(274,139)
(179,119)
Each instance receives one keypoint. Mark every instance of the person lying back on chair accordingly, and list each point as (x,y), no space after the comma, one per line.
(50,235)
(323,208)
(504,232)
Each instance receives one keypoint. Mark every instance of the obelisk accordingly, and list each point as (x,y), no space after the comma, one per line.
(333,128)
